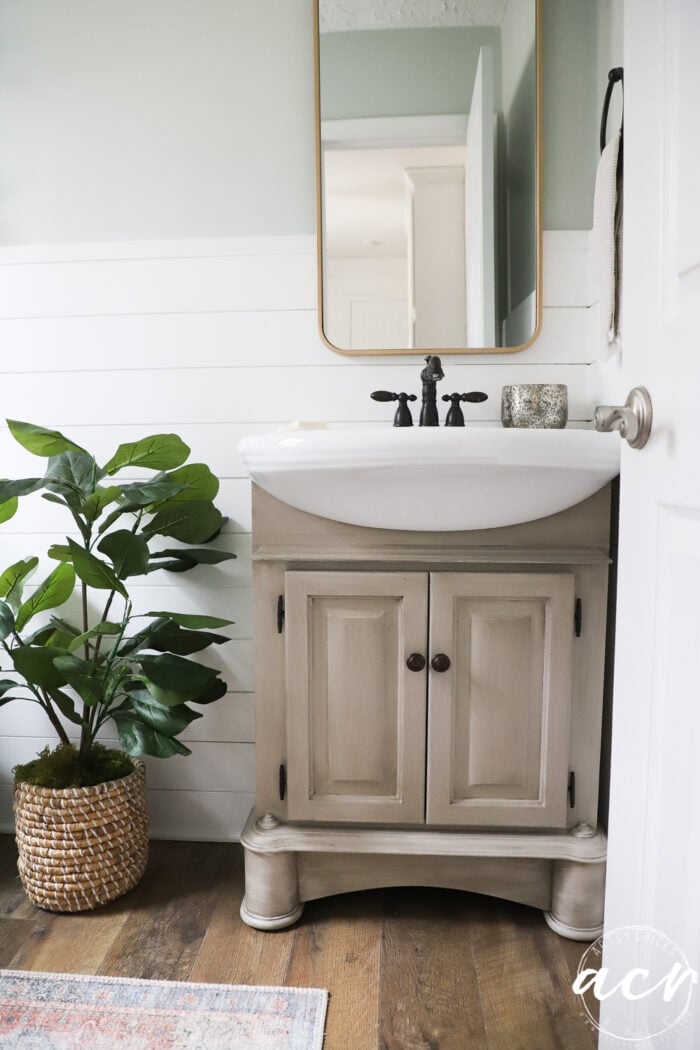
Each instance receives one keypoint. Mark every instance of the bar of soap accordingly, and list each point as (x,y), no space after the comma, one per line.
(307,424)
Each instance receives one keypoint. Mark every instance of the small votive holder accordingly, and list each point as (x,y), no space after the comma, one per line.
(535,405)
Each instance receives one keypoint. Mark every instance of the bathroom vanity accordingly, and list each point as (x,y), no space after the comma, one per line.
(428,711)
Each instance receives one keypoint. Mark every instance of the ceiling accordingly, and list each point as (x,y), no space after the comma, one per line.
(339,15)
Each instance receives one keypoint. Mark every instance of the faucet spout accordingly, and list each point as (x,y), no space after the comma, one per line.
(431,374)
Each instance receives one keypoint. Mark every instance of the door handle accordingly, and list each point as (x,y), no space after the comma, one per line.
(633,419)
(440,662)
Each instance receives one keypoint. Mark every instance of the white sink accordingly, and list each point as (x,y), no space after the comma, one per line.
(440,478)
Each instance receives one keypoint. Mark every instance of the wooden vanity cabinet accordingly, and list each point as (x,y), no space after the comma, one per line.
(428,710)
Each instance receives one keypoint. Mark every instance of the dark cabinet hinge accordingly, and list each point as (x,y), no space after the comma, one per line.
(571,790)
(578,617)
(280,614)
(283,782)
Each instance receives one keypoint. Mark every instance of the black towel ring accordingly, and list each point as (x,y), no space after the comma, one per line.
(615,75)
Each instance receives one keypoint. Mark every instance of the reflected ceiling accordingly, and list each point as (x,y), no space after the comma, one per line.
(339,15)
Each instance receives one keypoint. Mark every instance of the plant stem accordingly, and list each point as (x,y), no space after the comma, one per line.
(47,704)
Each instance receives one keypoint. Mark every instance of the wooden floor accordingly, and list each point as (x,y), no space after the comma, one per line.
(406,969)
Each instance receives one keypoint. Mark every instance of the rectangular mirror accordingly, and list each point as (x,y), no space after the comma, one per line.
(428,136)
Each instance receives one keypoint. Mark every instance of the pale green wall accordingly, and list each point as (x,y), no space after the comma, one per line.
(402,72)
(135,119)
(194,118)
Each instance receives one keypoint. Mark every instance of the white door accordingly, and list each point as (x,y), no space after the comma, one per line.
(654,830)
(479,207)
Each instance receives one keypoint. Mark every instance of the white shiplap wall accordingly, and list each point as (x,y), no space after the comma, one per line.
(213,340)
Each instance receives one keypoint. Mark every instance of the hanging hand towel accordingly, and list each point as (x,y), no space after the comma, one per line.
(607,246)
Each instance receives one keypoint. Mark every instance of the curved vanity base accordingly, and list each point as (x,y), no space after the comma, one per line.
(271,899)
(267,922)
(561,873)
(571,932)
(577,900)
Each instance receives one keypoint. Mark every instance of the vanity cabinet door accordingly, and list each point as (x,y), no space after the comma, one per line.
(498,722)
(356,714)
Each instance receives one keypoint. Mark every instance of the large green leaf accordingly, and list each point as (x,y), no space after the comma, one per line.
(8,508)
(193,522)
(72,475)
(185,643)
(7,621)
(54,591)
(95,572)
(143,495)
(60,552)
(172,679)
(13,579)
(159,451)
(193,620)
(10,490)
(39,440)
(137,738)
(79,674)
(104,628)
(198,483)
(50,634)
(181,559)
(127,552)
(168,720)
(165,636)
(214,691)
(66,706)
(99,499)
(36,664)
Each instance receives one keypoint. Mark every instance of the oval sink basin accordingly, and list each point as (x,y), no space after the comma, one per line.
(432,479)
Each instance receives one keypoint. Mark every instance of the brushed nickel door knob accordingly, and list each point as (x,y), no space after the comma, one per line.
(633,419)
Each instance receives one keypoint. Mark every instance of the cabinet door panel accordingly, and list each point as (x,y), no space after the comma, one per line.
(356,729)
(499,718)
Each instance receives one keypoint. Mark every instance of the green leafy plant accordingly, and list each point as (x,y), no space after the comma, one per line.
(112,664)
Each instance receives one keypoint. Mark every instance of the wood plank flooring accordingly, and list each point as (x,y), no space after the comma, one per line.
(407,969)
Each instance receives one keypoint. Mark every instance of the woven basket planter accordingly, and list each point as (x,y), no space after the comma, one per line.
(82,847)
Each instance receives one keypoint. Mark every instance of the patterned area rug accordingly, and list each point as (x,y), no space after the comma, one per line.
(48,1011)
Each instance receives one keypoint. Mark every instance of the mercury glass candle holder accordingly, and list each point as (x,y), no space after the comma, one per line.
(535,405)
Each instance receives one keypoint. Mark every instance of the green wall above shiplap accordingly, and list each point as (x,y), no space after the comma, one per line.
(169,118)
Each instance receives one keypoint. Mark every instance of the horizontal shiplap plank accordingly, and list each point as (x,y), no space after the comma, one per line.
(17,541)
(266,339)
(233,659)
(36,515)
(159,285)
(209,816)
(172,248)
(566,268)
(230,719)
(210,767)
(261,395)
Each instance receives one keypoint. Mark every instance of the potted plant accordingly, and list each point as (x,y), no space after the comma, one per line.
(81,816)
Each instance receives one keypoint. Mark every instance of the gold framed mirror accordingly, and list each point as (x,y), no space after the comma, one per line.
(428,176)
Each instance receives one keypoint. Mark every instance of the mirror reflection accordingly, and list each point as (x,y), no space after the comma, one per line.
(428,174)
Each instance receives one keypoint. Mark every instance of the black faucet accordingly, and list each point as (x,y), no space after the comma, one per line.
(431,374)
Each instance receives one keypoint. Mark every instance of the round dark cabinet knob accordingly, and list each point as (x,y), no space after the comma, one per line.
(415,662)
(440,663)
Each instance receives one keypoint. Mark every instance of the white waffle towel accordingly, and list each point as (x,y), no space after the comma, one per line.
(607,246)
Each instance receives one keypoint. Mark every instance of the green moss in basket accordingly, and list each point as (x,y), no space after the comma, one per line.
(61,768)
